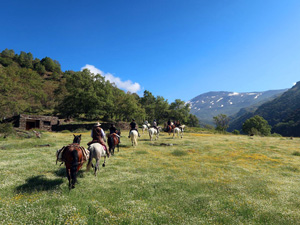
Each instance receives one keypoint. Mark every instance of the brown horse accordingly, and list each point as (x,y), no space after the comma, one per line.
(113,141)
(170,128)
(73,158)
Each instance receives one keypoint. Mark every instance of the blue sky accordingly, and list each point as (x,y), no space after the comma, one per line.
(175,49)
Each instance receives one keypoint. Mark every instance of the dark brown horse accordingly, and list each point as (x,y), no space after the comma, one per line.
(73,158)
(113,141)
(170,128)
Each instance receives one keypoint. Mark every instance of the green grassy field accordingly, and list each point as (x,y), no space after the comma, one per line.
(201,179)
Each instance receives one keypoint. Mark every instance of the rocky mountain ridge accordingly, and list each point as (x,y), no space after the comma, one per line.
(210,104)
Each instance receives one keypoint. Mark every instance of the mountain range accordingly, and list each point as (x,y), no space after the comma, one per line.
(210,104)
(281,108)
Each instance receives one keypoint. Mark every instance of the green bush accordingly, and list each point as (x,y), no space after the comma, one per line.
(7,129)
(276,135)
(296,153)
(236,132)
(257,125)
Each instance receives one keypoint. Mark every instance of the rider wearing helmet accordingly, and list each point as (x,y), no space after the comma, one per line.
(133,127)
(154,124)
(113,130)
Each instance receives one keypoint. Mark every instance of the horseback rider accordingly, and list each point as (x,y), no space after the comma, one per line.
(169,122)
(177,124)
(113,130)
(168,125)
(133,127)
(154,124)
(146,123)
(98,136)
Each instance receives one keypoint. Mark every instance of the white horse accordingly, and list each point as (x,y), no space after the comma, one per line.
(133,136)
(96,151)
(178,131)
(145,127)
(152,131)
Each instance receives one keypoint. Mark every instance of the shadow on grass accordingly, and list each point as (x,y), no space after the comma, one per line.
(38,183)
(63,173)
(144,139)
(122,146)
(179,153)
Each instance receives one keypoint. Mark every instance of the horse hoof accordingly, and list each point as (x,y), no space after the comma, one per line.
(103,165)
(73,186)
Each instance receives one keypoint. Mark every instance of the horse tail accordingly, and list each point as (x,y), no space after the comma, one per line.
(74,166)
(88,166)
(133,135)
(135,140)
(110,141)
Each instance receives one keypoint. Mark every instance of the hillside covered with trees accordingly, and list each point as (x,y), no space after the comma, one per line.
(282,113)
(38,86)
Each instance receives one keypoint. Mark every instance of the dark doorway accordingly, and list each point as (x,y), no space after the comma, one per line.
(30,124)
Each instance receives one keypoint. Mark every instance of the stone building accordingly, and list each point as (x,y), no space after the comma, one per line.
(28,122)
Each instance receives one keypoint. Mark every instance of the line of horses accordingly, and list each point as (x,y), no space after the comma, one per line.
(170,129)
(74,155)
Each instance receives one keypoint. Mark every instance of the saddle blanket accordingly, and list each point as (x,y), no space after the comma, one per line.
(59,153)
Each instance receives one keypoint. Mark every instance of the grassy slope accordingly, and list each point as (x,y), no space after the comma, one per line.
(202,179)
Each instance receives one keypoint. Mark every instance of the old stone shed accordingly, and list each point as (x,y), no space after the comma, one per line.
(28,122)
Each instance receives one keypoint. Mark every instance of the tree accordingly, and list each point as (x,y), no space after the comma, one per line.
(40,68)
(193,121)
(50,65)
(8,53)
(221,122)
(257,125)
(25,59)
(161,108)
(85,95)
(179,111)
(148,103)
(21,90)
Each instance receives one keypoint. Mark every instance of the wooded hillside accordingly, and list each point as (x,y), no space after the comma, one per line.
(38,86)
(282,113)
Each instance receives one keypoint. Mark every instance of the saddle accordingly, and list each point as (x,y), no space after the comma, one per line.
(59,153)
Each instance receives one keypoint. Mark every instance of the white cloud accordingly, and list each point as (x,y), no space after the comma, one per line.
(127,85)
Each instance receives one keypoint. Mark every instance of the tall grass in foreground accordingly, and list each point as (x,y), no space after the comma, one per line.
(200,179)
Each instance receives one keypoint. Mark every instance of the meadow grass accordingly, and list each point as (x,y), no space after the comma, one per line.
(199,179)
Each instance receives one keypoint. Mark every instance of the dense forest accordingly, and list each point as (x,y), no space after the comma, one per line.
(38,86)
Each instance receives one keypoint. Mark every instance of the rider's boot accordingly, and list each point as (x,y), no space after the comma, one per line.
(107,153)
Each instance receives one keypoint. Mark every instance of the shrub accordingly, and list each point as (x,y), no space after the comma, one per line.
(296,153)
(236,132)
(257,125)
(276,135)
(7,129)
